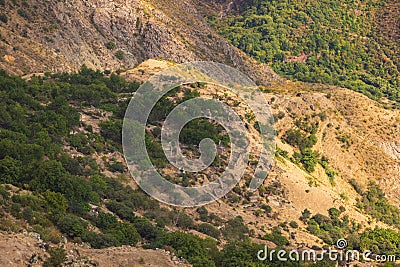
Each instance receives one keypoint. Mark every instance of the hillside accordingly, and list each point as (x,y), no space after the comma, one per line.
(348,44)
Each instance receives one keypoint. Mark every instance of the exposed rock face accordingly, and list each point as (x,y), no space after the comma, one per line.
(392,149)
(63,35)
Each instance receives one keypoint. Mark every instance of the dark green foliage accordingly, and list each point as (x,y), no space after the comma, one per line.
(280,152)
(55,202)
(81,143)
(31,137)
(266,208)
(331,173)
(117,167)
(117,84)
(190,94)
(332,228)
(110,45)
(124,233)
(203,213)
(57,257)
(298,139)
(99,240)
(374,202)
(146,229)
(106,221)
(112,130)
(183,221)
(209,229)
(245,254)
(4,195)
(305,215)
(277,239)
(196,250)
(72,165)
(239,254)
(345,139)
(357,187)
(156,152)
(198,129)
(308,158)
(23,13)
(10,170)
(332,42)
(235,229)
(123,211)
(71,225)
(307,126)
(120,54)
(380,241)
(294,224)
(3,18)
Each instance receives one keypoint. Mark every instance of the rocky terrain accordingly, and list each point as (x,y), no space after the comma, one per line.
(62,35)
(27,249)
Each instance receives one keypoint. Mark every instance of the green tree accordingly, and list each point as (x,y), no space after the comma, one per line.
(57,258)
(55,202)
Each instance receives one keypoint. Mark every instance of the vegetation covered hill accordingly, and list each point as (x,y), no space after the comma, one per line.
(111,35)
(331,42)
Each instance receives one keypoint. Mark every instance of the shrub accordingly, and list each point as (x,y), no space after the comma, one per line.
(277,239)
(71,225)
(294,224)
(308,158)
(184,221)
(305,215)
(125,233)
(297,139)
(117,167)
(235,229)
(203,213)
(357,187)
(106,221)
(191,247)
(112,130)
(23,13)
(146,229)
(123,211)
